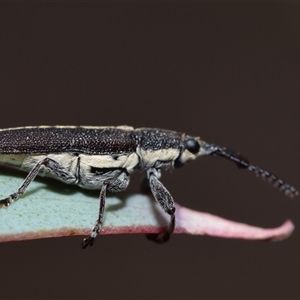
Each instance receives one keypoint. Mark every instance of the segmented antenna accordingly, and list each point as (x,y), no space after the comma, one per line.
(242,162)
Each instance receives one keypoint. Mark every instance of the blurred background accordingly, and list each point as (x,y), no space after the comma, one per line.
(229,72)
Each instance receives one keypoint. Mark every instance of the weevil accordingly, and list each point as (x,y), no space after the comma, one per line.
(103,158)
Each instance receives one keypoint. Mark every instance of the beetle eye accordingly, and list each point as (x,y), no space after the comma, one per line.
(192,145)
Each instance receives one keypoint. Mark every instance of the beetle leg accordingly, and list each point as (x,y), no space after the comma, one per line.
(89,240)
(165,200)
(120,183)
(53,166)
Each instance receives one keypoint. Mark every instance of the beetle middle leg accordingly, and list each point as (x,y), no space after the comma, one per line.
(89,240)
(165,200)
(112,185)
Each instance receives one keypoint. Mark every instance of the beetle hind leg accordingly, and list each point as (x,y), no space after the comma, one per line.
(10,199)
(53,166)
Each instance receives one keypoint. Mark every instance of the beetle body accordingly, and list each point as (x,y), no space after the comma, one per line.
(90,155)
(103,158)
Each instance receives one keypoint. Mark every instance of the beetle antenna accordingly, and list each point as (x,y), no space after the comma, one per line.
(242,162)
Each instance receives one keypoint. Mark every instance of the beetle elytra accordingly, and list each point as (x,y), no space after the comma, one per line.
(103,158)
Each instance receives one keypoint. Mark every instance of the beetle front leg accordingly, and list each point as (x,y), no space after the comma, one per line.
(165,200)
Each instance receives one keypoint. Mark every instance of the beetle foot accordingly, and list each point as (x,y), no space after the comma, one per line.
(88,241)
(159,238)
(9,200)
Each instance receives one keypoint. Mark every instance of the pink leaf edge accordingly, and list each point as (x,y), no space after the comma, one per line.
(187,222)
(194,222)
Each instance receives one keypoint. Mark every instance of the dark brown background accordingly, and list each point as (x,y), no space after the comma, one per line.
(226,71)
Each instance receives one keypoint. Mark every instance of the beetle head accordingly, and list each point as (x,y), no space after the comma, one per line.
(194,147)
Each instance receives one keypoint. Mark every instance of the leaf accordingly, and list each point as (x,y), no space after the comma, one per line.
(53,209)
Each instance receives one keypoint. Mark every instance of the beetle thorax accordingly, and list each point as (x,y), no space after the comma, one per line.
(158,148)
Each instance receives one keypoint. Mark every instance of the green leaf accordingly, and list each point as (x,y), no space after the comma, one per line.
(51,209)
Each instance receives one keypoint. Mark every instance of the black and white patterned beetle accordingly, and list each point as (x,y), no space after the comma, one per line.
(104,158)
